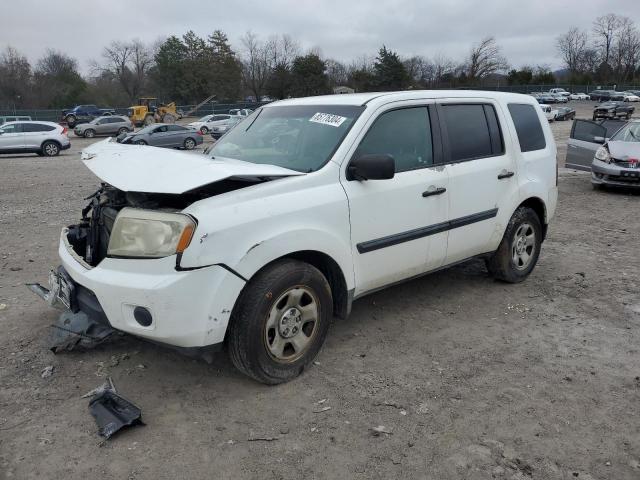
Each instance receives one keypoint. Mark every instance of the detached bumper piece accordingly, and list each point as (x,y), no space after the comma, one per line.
(83,322)
(112,412)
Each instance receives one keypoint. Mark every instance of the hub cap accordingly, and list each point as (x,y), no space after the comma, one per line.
(523,246)
(291,324)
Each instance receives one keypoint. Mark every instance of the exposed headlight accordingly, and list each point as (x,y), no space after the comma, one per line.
(149,234)
(602,154)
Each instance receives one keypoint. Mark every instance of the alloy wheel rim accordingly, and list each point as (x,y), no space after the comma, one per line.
(523,246)
(51,149)
(291,324)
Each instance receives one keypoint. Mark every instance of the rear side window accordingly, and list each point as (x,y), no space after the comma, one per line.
(36,127)
(404,134)
(586,131)
(527,123)
(472,131)
(176,128)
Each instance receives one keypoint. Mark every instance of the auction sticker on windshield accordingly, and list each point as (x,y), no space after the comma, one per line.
(328,119)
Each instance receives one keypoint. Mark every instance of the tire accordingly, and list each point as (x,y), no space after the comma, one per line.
(123,130)
(204,130)
(50,149)
(262,333)
(148,120)
(507,262)
(189,144)
(597,186)
(141,142)
(594,118)
(71,120)
(168,118)
(89,133)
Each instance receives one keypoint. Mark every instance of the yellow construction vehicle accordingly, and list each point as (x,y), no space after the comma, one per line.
(149,111)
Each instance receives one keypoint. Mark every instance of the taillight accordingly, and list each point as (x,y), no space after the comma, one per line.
(64,130)
(198,132)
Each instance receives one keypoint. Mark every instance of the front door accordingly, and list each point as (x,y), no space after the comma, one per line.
(481,176)
(397,225)
(586,137)
(11,137)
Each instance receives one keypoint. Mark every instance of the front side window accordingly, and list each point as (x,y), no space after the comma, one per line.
(527,123)
(12,128)
(472,131)
(404,134)
(298,137)
(587,131)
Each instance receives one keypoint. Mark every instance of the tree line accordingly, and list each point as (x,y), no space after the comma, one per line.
(189,68)
(608,53)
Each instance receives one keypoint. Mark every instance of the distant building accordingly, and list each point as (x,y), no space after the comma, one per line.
(343,89)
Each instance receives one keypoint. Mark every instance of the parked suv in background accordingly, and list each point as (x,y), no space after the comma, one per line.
(316,202)
(14,118)
(84,114)
(43,138)
(109,125)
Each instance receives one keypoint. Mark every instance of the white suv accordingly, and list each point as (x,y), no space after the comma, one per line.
(43,138)
(310,204)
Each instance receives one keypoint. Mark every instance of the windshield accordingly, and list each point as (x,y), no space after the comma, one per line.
(205,118)
(147,129)
(301,137)
(629,133)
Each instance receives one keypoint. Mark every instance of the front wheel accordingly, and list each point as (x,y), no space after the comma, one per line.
(280,321)
(71,121)
(141,142)
(519,249)
(89,133)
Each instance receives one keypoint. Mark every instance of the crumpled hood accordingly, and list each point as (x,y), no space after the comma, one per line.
(624,150)
(138,168)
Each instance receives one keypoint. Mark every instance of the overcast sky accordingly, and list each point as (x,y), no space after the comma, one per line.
(343,29)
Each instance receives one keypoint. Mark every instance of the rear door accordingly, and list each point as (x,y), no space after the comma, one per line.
(11,137)
(175,135)
(35,134)
(582,144)
(482,176)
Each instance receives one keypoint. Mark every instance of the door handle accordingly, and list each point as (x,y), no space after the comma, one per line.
(435,191)
(505,174)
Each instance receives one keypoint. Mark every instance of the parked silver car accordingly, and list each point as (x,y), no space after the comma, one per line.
(106,125)
(617,161)
(43,138)
(164,135)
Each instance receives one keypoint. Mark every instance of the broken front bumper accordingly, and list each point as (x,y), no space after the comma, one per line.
(184,308)
(603,173)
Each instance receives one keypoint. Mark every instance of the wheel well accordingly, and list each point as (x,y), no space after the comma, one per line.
(538,206)
(332,272)
(50,141)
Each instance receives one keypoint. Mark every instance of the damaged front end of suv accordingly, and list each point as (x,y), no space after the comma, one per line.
(121,265)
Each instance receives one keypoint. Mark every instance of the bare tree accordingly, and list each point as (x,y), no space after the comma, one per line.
(256,65)
(282,50)
(337,73)
(625,50)
(605,29)
(15,78)
(442,66)
(130,63)
(572,47)
(486,58)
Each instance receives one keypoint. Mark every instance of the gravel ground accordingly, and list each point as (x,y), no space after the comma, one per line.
(470,377)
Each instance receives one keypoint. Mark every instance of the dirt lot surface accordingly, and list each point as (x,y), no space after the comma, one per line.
(471,378)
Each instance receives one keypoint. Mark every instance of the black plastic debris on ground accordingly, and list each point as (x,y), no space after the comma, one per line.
(113,412)
(74,330)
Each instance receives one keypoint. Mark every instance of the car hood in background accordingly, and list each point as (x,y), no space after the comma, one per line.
(136,168)
(624,150)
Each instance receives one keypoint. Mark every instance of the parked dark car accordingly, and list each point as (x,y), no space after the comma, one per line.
(164,135)
(585,139)
(84,114)
(613,110)
(565,113)
(601,95)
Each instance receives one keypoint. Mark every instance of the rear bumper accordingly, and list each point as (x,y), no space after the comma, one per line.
(607,174)
(188,308)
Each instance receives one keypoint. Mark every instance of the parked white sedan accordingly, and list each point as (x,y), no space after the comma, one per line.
(206,123)
(630,97)
(578,96)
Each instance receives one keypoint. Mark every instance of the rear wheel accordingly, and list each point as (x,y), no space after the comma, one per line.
(280,321)
(141,142)
(189,144)
(519,249)
(149,120)
(203,130)
(89,133)
(50,149)
(71,120)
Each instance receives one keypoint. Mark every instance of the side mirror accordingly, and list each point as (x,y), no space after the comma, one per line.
(371,167)
(599,140)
